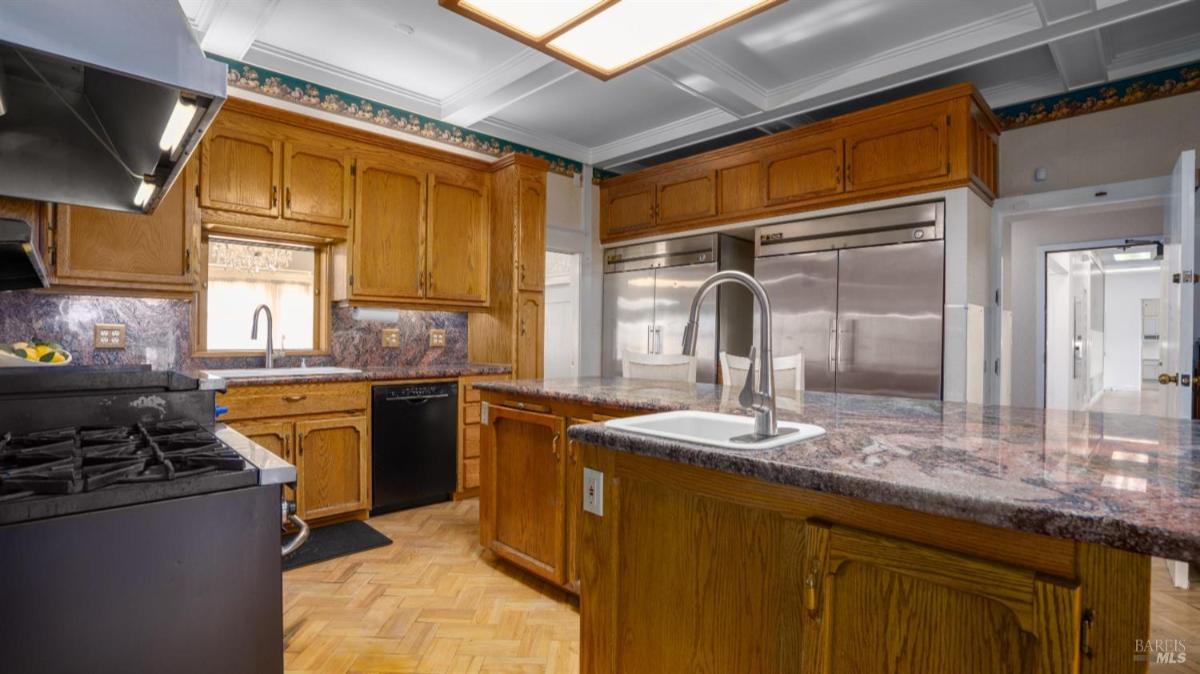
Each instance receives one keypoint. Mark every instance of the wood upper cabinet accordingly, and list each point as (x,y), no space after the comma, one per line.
(112,249)
(526,473)
(317,184)
(626,209)
(530,328)
(899,149)
(388,238)
(688,195)
(240,172)
(333,458)
(929,610)
(457,241)
(800,171)
(531,233)
(740,185)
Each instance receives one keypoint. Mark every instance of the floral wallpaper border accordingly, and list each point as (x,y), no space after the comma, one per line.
(1148,87)
(301,92)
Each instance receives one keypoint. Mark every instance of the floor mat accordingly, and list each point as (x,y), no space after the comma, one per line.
(334,541)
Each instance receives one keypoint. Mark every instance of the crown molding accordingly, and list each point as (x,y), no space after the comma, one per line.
(543,140)
(1155,57)
(1028,88)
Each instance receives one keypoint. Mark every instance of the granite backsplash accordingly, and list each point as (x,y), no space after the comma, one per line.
(157,332)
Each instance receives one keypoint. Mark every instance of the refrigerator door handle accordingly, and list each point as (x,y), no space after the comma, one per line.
(658,339)
(649,338)
(843,335)
(832,345)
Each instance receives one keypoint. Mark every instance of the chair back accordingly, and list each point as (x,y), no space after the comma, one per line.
(661,366)
(789,371)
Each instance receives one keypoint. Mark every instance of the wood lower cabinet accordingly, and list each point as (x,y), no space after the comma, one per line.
(240,171)
(334,465)
(388,238)
(98,248)
(279,437)
(526,472)
(574,503)
(317,184)
(470,434)
(906,148)
(456,242)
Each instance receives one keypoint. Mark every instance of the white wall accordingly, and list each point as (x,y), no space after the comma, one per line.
(571,224)
(1124,292)
(1020,274)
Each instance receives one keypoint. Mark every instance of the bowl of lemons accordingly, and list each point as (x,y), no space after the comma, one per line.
(33,353)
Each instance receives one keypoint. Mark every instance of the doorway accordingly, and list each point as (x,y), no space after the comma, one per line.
(562,315)
(1102,308)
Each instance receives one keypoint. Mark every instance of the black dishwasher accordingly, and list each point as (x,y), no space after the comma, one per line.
(414,445)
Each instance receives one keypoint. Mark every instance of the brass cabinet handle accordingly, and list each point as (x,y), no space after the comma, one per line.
(812,591)
(300,444)
(573,452)
(294,398)
(554,446)
(287,196)
(274,196)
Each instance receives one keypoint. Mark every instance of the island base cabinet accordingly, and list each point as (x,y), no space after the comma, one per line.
(694,570)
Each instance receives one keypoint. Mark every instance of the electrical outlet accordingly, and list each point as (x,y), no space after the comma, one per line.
(391,338)
(437,338)
(593,492)
(108,336)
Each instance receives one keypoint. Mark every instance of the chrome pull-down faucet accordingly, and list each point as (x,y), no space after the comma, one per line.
(270,348)
(761,399)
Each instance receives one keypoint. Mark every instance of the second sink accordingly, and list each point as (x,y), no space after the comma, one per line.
(726,431)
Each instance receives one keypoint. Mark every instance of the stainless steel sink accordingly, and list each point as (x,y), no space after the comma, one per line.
(726,431)
(263,372)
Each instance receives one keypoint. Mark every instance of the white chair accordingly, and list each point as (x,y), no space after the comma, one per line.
(661,366)
(789,371)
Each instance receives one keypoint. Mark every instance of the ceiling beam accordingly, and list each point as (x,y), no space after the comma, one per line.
(1080,59)
(890,73)
(232,25)
(521,76)
(694,71)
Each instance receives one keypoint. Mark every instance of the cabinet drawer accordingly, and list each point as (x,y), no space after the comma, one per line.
(472,394)
(470,473)
(471,413)
(256,402)
(471,441)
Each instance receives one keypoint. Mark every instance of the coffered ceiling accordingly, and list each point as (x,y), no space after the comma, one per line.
(800,61)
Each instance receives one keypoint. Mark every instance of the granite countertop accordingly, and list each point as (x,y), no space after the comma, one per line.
(1129,482)
(432,371)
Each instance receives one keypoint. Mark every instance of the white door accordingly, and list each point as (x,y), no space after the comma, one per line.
(1179,294)
(561,354)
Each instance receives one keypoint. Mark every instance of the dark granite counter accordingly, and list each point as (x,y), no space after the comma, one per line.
(1129,482)
(434,371)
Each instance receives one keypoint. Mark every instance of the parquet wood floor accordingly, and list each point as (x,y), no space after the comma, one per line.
(432,601)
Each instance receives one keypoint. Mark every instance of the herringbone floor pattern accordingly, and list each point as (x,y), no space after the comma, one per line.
(432,601)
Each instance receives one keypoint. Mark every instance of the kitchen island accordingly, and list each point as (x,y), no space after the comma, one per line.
(914,536)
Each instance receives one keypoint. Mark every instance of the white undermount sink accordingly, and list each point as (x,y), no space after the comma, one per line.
(261,372)
(726,431)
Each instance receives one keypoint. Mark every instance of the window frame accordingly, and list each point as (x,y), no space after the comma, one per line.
(322,308)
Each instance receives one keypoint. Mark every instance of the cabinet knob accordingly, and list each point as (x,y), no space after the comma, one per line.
(1165,379)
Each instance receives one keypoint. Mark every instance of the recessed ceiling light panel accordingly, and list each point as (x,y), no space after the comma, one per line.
(609,37)
(1131,257)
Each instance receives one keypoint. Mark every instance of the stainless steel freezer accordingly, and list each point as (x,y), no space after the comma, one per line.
(862,296)
(648,290)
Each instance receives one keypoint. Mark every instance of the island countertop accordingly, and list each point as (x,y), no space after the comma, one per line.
(1128,482)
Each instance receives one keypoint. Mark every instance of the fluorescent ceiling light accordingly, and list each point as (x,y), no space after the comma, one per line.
(1131,257)
(144,192)
(535,18)
(605,38)
(177,126)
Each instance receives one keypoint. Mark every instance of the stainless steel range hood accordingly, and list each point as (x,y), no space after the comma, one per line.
(102,101)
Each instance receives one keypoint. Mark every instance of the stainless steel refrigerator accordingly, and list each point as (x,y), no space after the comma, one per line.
(861,295)
(648,290)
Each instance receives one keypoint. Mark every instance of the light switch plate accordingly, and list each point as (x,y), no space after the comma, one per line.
(391,338)
(593,492)
(108,336)
(437,338)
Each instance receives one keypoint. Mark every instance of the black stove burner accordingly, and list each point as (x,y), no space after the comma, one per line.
(74,460)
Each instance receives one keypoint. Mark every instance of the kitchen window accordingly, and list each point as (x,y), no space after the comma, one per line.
(242,274)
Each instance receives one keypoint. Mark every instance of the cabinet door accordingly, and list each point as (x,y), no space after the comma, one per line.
(803,170)
(525,488)
(626,209)
(574,505)
(113,249)
(688,195)
(457,241)
(529,342)
(740,185)
(239,171)
(531,234)
(900,149)
(928,610)
(317,185)
(278,437)
(387,251)
(333,464)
